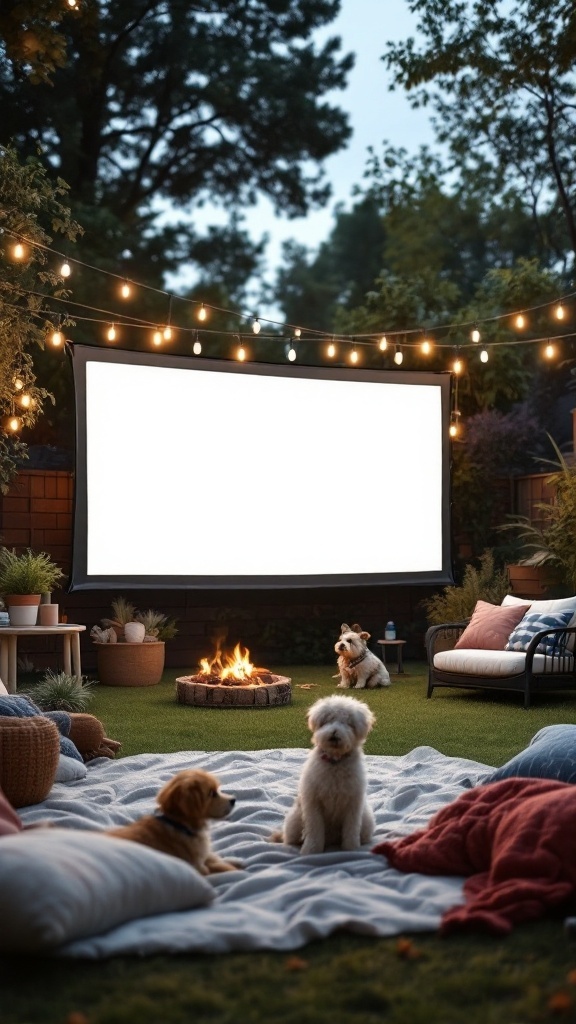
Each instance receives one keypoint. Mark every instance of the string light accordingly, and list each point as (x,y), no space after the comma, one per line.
(57,338)
(520,321)
(13,424)
(202,314)
(167,333)
(426,347)
(241,353)
(354,355)
(157,337)
(256,326)
(18,383)
(331,350)
(297,332)
(65,269)
(484,355)
(550,351)
(18,251)
(475,335)
(290,352)
(73,4)
(559,312)
(398,356)
(125,290)
(25,400)
(196,348)
(111,333)
(383,343)
(457,366)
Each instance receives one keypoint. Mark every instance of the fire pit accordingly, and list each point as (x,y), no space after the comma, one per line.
(230,680)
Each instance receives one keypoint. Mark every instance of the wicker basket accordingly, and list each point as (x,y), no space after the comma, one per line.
(29,755)
(86,732)
(125,664)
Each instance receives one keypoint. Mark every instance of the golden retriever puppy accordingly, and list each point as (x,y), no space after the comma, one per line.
(180,825)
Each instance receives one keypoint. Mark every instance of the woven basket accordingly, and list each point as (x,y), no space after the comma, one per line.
(29,755)
(125,664)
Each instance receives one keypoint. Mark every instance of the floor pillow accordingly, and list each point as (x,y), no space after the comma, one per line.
(551,754)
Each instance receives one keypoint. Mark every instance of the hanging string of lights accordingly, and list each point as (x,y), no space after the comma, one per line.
(115,324)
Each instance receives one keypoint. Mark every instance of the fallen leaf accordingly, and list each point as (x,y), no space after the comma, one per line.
(560,1002)
(306,686)
(295,963)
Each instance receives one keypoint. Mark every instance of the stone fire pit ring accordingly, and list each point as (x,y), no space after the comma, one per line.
(275,693)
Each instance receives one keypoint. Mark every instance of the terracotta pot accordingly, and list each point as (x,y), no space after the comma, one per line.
(125,664)
(531,581)
(22,608)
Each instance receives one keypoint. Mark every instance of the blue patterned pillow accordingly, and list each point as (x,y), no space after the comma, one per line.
(531,624)
(551,754)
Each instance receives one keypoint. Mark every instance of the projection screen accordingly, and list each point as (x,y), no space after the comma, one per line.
(201,473)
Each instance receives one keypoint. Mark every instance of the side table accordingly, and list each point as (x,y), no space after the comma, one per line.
(70,633)
(398,644)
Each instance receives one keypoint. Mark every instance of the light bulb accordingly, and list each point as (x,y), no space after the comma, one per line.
(157,337)
(167,334)
(196,348)
(65,270)
(520,321)
(297,332)
(292,353)
(549,351)
(484,355)
(383,343)
(475,335)
(241,353)
(398,357)
(202,314)
(18,251)
(453,430)
(57,338)
(457,366)
(18,384)
(25,400)
(331,350)
(111,333)
(125,290)
(14,424)
(72,3)
(426,347)
(559,312)
(354,356)
(256,325)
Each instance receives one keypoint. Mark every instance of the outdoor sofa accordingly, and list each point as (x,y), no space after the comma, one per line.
(520,645)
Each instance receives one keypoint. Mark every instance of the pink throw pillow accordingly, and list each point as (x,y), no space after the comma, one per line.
(490,626)
(9,820)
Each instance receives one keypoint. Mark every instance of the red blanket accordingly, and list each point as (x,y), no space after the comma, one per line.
(516,839)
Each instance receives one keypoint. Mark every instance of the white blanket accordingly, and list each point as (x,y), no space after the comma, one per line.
(279,900)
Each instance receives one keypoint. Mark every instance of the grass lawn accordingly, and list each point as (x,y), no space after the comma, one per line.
(527,978)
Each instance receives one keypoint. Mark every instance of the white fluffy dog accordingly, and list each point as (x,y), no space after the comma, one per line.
(358,666)
(331,808)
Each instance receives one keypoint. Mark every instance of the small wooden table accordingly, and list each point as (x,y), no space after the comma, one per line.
(398,644)
(70,633)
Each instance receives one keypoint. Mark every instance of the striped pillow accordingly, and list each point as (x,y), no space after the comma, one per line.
(531,624)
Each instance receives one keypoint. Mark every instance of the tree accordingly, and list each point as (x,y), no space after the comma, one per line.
(165,102)
(31,208)
(500,80)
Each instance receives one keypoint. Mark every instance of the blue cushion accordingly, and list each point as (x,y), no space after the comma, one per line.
(531,624)
(551,754)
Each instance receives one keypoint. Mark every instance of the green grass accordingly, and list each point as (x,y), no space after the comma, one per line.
(346,979)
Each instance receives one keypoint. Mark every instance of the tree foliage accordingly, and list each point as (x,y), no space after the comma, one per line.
(34,208)
(500,80)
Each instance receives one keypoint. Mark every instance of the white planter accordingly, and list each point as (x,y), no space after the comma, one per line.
(23,609)
(134,632)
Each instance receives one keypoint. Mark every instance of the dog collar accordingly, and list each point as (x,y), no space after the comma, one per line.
(352,664)
(333,760)
(176,824)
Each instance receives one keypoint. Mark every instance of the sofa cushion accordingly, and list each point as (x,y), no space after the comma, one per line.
(59,884)
(534,622)
(491,663)
(551,754)
(490,626)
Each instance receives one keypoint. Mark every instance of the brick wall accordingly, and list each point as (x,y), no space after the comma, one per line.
(37,513)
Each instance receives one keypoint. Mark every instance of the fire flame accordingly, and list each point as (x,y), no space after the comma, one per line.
(236,665)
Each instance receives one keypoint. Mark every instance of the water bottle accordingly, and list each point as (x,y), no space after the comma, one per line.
(390,631)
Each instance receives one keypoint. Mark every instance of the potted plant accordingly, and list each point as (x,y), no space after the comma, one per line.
(550,544)
(129,656)
(23,579)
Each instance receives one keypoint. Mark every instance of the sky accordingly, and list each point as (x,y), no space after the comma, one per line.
(376,115)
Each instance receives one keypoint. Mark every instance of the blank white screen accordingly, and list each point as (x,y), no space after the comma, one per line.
(211,473)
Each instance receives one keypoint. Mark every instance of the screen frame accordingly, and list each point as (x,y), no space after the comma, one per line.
(80,580)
